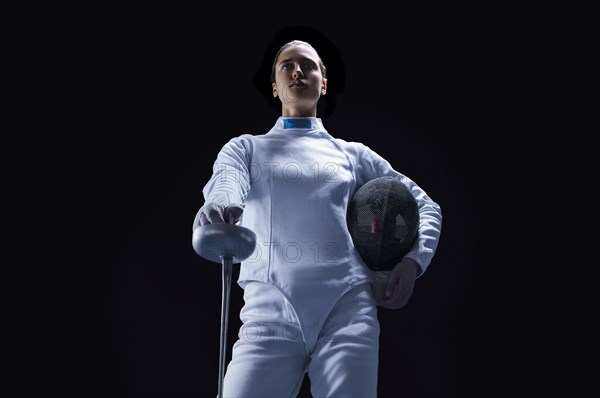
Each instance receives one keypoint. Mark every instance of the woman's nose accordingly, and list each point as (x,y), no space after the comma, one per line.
(297,71)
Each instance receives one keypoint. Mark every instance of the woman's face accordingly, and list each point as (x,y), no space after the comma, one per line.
(299,82)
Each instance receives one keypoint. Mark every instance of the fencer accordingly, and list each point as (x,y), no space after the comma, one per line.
(308,300)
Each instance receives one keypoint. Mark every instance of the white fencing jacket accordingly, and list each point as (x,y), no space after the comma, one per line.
(295,183)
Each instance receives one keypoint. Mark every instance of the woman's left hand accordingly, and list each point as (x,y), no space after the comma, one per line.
(400,285)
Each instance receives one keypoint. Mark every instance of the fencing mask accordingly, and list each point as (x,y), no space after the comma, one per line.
(383,220)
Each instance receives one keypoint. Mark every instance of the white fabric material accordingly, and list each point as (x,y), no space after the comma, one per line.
(272,353)
(295,185)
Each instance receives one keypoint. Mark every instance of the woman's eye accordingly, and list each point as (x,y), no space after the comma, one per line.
(305,65)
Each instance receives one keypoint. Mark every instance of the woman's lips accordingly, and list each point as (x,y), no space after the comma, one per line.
(297,83)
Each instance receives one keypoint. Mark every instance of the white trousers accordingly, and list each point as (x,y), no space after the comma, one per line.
(274,349)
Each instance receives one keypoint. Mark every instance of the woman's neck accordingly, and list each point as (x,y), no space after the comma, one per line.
(295,112)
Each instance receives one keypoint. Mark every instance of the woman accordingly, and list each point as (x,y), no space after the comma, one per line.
(310,302)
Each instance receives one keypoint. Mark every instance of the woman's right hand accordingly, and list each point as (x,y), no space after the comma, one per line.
(213,213)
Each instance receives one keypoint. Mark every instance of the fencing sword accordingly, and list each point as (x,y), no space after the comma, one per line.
(226,244)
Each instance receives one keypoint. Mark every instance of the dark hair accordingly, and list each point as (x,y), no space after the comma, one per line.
(263,78)
(297,43)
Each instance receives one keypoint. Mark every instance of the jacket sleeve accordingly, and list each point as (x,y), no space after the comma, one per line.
(372,165)
(230,180)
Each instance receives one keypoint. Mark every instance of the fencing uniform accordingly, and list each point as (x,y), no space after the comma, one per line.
(307,300)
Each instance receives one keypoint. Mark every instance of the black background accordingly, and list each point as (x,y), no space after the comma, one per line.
(119,113)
